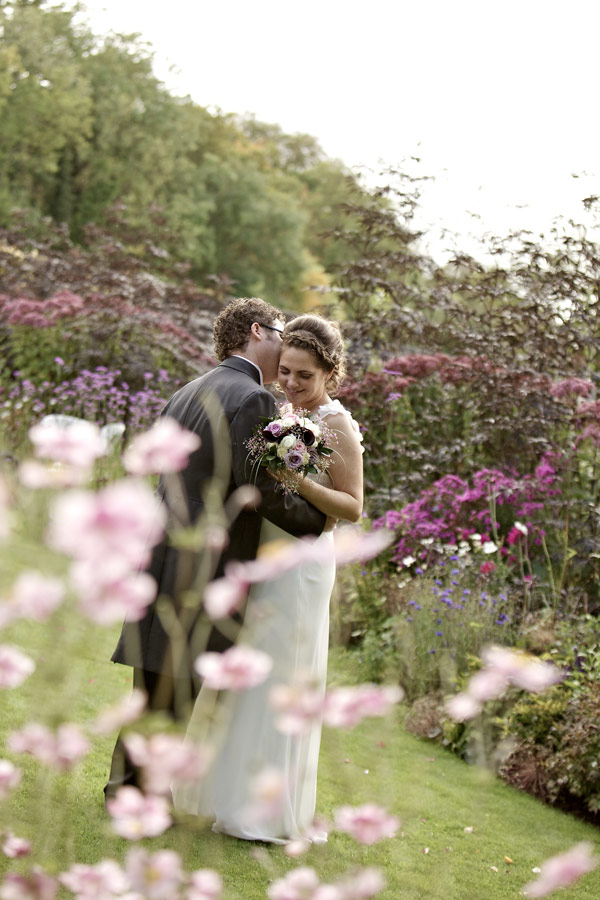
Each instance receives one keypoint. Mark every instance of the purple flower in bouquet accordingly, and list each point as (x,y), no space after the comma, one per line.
(273,430)
(294,459)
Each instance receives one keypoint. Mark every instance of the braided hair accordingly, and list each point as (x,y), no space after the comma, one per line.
(323,339)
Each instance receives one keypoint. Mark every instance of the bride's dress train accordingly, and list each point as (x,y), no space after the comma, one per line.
(288,618)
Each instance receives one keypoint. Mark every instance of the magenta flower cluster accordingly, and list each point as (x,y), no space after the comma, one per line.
(452,510)
(39,313)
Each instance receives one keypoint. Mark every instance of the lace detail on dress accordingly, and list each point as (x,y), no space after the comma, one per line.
(333,407)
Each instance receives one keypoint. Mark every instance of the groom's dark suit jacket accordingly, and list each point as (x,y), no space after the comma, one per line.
(222,408)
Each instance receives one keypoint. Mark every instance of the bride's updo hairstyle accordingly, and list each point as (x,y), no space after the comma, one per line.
(323,339)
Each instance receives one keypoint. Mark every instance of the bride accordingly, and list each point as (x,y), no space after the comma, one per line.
(288,618)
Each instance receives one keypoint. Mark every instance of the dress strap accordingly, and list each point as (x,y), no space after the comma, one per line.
(334,407)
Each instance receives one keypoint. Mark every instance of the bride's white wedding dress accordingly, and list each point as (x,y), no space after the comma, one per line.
(288,618)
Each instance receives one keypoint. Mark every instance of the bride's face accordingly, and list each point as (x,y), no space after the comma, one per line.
(302,379)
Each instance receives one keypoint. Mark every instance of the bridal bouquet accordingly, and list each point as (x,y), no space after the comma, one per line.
(290,444)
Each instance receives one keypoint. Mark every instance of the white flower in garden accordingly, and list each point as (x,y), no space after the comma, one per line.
(237,669)
(367,824)
(426,542)
(562,870)
(408,561)
(489,547)
(166,447)
(522,528)
(78,445)
(15,667)
(135,816)
(154,876)
(122,521)
(10,777)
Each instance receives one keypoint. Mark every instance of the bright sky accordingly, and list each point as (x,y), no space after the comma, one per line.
(499,98)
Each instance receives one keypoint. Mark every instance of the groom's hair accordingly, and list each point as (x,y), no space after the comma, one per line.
(231,330)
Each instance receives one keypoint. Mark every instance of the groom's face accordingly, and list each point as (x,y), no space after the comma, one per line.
(271,348)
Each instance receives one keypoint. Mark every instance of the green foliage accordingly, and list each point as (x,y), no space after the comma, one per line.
(85,125)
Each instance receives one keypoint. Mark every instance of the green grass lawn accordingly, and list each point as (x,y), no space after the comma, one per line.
(435,795)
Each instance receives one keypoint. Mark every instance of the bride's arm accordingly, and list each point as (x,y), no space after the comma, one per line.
(345,499)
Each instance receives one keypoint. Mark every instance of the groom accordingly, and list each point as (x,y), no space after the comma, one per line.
(222,407)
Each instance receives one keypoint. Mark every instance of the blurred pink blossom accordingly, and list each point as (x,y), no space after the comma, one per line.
(125,711)
(4,509)
(156,876)
(37,885)
(37,475)
(267,790)
(165,758)
(14,847)
(164,448)
(345,707)
(15,667)
(501,668)
(102,881)
(108,594)
(367,824)
(237,669)
(122,521)
(204,884)
(562,870)
(61,750)
(571,387)
(78,445)
(363,884)
(275,558)
(297,848)
(487,684)
(223,596)
(299,884)
(135,816)
(298,705)
(522,670)
(33,596)
(462,707)
(10,777)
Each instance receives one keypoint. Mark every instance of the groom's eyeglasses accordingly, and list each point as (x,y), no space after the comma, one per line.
(272,328)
